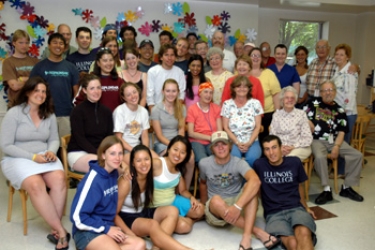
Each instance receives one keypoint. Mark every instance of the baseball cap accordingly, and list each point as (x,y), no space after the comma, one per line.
(145,42)
(219,136)
(250,44)
(109,26)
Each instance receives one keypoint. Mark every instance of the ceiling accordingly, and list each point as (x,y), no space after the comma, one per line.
(337,6)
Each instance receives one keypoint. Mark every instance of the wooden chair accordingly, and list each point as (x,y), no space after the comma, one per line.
(24,197)
(196,179)
(334,167)
(64,157)
(359,134)
(308,166)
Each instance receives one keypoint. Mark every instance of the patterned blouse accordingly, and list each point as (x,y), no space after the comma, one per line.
(292,128)
(218,81)
(242,120)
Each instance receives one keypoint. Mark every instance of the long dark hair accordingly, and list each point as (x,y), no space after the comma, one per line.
(97,70)
(136,191)
(46,108)
(189,76)
(179,138)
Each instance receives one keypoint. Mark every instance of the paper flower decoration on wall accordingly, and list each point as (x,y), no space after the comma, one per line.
(251,35)
(98,33)
(145,29)
(120,17)
(16,4)
(3,53)
(39,42)
(216,20)
(77,11)
(39,31)
(167,8)
(177,9)
(34,50)
(225,15)
(224,27)
(189,19)
(42,22)
(192,29)
(166,27)
(139,12)
(155,25)
(130,16)
(210,30)
(178,27)
(86,15)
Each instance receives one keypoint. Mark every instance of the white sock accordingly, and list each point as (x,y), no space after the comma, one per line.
(345,187)
(327,188)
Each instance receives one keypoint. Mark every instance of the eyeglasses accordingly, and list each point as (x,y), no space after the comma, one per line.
(215,58)
(327,90)
(104,49)
(255,56)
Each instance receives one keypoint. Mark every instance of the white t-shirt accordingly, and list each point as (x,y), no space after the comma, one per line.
(156,77)
(229,60)
(130,123)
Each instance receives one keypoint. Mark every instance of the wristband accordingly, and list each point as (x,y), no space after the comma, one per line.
(337,145)
(238,207)
(34,156)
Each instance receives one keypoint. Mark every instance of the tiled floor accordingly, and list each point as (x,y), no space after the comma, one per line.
(353,228)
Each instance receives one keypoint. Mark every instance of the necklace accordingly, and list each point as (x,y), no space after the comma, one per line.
(132,75)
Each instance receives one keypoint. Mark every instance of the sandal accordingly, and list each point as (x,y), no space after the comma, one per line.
(274,244)
(52,238)
(243,248)
(62,240)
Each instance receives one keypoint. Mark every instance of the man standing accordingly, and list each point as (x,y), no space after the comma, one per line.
(82,58)
(127,33)
(64,30)
(329,124)
(267,59)
(62,77)
(201,48)
(165,37)
(146,52)
(108,30)
(247,48)
(320,69)
(218,40)
(282,191)
(221,178)
(238,49)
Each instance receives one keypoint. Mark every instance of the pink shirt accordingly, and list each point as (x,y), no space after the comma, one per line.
(189,102)
(204,123)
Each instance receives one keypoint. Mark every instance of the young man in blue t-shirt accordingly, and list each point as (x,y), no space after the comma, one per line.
(282,192)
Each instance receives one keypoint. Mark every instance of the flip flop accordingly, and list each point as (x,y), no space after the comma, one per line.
(52,239)
(274,244)
(243,248)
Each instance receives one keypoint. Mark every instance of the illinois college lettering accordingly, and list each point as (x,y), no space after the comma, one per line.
(278,177)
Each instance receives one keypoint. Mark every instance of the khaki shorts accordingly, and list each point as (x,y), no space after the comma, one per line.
(63,125)
(219,222)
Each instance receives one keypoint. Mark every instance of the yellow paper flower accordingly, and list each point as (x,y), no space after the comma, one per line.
(130,16)
(51,27)
(1,6)
(166,27)
(242,38)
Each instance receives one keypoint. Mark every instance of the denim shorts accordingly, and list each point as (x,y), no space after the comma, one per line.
(282,223)
(159,147)
(83,238)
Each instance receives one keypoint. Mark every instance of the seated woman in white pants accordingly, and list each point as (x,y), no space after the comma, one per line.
(292,126)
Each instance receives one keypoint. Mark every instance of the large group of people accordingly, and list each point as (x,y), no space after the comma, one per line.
(207,107)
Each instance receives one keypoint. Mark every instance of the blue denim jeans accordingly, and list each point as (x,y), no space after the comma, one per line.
(200,151)
(251,155)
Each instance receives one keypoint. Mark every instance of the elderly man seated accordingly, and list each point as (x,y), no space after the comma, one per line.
(329,125)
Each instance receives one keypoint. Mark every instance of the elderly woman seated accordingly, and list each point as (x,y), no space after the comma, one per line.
(292,126)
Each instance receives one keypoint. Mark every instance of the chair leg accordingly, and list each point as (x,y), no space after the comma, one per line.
(10,202)
(307,182)
(196,175)
(335,178)
(23,195)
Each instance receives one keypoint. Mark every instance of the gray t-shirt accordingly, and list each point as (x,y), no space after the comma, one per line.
(224,180)
(168,123)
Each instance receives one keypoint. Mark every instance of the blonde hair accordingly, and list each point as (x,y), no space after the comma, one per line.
(178,106)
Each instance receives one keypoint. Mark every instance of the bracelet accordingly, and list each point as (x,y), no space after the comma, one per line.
(238,207)
(337,145)
(34,156)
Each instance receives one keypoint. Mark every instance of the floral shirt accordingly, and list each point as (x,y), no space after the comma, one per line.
(327,119)
(242,120)
(346,89)
(292,128)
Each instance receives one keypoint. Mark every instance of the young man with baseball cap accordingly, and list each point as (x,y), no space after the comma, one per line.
(227,202)
(146,50)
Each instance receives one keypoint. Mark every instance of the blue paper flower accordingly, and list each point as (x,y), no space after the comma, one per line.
(17,4)
(39,42)
(39,31)
(120,17)
(77,11)
(232,40)
(177,9)
(178,27)
(192,29)
(3,53)
(34,24)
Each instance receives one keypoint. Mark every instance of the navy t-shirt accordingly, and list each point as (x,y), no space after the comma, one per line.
(82,61)
(280,184)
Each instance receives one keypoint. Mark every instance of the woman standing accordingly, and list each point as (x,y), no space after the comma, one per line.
(90,123)
(203,119)
(168,120)
(218,74)
(242,120)
(111,43)
(29,140)
(135,217)
(168,181)
(301,53)
(132,74)
(271,89)
(292,126)
(94,206)
(195,76)
(243,66)
(105,69)
(346,86)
